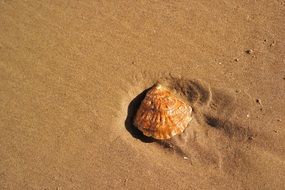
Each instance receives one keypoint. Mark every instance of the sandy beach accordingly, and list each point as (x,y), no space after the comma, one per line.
(73,74)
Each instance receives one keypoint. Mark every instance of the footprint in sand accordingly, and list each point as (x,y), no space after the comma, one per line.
(213,132)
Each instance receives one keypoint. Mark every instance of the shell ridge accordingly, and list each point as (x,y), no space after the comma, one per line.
(162,114)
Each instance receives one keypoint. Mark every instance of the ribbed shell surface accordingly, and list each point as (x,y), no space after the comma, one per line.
(162,114)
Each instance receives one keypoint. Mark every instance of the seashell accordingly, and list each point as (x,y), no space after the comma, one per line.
(162,114)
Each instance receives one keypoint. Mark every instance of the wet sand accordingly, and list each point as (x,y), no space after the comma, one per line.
(73,75)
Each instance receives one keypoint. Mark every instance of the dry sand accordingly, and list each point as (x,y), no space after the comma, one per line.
(72,74)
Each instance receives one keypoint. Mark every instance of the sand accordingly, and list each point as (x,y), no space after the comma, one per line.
(73,74)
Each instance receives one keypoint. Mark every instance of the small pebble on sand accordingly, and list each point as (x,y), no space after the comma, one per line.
(250,138)
(249,51)
(258,101)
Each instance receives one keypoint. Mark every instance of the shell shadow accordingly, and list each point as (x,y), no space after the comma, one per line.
(132,108)
(230,129)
